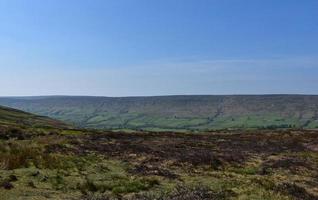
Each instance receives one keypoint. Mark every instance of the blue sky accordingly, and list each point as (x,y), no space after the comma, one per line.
(158,47)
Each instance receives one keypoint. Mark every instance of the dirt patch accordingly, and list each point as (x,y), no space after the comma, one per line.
(186,193)
(215,150)
(297,192)
(294,164)
(152,170)
(312,146)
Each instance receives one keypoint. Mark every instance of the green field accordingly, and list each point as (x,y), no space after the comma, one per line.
(178,113)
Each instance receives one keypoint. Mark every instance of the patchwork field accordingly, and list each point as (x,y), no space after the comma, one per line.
(176,113)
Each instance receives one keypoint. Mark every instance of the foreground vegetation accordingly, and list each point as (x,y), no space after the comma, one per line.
(60,163)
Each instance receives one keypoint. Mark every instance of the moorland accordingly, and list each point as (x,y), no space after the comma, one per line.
(42,158)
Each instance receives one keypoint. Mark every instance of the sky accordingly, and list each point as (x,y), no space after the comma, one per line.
(158,47)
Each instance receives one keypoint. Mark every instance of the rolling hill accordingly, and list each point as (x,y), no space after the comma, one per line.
(39,159)
(176,113)
(15,118)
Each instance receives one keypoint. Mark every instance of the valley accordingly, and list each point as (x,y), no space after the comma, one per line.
(62,162)
(176,113)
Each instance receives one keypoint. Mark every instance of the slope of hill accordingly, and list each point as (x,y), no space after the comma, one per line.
(15,118)
(41,160)
(176,112)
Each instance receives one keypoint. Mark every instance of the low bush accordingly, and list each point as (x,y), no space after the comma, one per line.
(14,155)
(119,186)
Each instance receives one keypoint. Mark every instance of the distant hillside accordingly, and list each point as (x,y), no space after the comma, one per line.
(176,112)
(14,118)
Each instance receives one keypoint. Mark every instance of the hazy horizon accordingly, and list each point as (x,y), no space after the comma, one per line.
(122,48)
(168,95)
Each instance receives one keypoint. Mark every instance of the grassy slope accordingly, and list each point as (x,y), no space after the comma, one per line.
(15,118)
(78,164)
(176,112)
